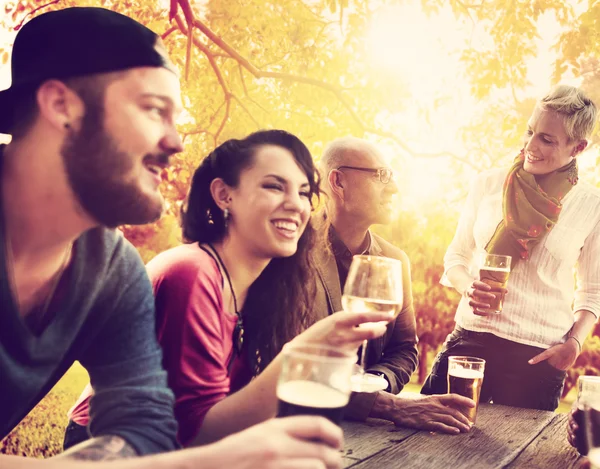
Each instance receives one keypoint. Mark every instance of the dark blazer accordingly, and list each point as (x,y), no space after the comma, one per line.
(395,354)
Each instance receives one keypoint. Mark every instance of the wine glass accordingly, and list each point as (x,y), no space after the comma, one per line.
(374,284)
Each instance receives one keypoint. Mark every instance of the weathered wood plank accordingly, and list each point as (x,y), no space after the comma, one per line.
(500,435)
(349,462)
(550,450)
(364,439)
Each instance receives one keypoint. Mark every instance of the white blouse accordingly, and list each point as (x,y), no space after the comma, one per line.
(561,276)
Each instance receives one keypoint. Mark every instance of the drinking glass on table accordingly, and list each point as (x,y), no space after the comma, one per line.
(494,270)
(588,391)
(591,425)
(314,380)
(374,284)
(465,377)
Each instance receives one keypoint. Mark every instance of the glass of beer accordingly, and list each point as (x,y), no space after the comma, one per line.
(588,391)
(314,380)
(374,283)
(465,377)
(591,426)
(494,270)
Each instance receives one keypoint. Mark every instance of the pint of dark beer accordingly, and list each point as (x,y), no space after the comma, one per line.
(465,377)
(494,270)
(588,392)
(314,380)
(591,430)
(310,398)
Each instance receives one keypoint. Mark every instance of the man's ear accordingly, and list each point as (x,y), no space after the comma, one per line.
(221,193)
(337,182)
(59,105)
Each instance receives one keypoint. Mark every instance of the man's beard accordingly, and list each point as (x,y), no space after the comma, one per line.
(96,168)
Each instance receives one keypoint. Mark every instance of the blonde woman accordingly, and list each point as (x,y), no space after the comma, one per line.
(549,222)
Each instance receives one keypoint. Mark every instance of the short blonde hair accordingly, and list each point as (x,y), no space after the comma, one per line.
(578,112)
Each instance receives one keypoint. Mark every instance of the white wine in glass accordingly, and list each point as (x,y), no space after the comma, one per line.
(355,303)
(374,284)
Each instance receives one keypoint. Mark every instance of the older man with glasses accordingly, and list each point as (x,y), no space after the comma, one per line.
(360,188)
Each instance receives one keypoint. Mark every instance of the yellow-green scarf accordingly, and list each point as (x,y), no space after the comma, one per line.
(531,205)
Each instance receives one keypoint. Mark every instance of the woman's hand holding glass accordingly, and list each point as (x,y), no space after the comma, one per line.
(342,329)
(486,293)
(480,295)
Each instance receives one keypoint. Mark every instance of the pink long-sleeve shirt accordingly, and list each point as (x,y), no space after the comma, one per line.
(195,333)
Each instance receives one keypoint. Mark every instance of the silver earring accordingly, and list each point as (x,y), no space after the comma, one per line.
(226,216)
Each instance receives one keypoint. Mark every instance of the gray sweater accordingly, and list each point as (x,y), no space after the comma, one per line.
(104,317)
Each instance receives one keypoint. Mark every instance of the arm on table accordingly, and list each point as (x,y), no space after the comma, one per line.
(258,400)
(132,399)
(103,448)
(433,413)
(287,443)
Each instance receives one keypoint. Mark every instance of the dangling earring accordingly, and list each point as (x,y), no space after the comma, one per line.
(226,216)
(573,174)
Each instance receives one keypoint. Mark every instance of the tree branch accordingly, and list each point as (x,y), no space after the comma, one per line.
(211,60)
(258,105)
(168,32)
(225,118)
(188,52)
(258,126)
(196,132)
(242,80)
(20,25)
(337,92)
(201,130)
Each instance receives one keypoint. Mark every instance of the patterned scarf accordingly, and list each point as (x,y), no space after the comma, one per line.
(531,205)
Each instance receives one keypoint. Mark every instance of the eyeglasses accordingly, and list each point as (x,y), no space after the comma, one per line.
(384,174)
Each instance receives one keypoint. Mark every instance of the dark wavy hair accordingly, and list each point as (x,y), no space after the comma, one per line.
(277,307)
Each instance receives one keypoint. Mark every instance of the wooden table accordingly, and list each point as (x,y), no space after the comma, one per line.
(504,437)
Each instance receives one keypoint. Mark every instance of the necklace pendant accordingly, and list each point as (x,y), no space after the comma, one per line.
(239,335)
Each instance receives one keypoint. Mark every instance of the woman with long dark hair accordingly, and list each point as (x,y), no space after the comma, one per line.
(241,286)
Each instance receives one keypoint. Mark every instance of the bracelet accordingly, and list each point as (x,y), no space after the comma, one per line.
(576,340)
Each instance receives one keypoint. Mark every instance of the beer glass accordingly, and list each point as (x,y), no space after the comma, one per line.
(374,284)
(314,380)
(591,425)
(494,270)
(588,390)
(465,377)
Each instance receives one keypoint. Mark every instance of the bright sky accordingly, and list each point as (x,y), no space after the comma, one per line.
(423,53)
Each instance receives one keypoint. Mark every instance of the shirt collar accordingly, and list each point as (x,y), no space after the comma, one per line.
(339,248)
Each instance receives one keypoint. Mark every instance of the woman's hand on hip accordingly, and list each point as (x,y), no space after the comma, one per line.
(560,356)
